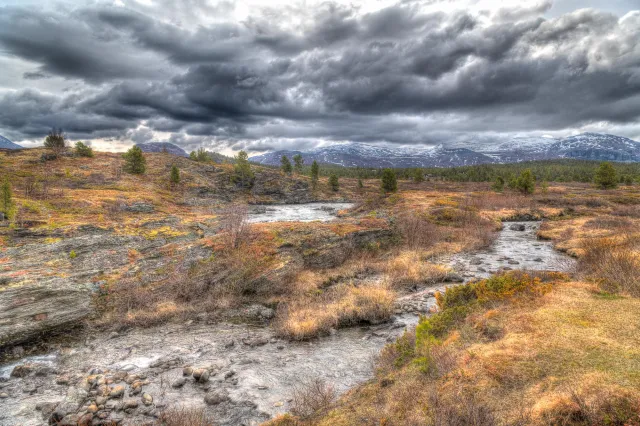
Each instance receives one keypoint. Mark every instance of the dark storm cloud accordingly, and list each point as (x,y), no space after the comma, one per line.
(403,74)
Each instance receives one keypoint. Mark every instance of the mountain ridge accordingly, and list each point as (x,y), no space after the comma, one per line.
(585,146)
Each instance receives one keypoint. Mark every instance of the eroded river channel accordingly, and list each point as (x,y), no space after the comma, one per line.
(244,374)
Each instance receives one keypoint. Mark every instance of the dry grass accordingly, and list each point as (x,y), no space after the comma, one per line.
(568,357)
(613,263)
(184,416)
(342,306)
(312,396)
(409,269)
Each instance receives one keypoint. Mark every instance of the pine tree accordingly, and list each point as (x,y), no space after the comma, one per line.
(526,182)
(389,182)
(418,175)
(333,182)
(134,161)
(360,184)
(285,165)
(83,150)
(298,162)
(175,175)
(243,175)
(7,199)
(606,176)
(315,172)
(498,185)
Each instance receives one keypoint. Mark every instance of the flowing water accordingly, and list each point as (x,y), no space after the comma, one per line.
(253,371)
(296,212)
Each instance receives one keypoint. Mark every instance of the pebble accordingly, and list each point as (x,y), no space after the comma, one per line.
(147,399)
(116,391)
(4,395)
(179,383)
(130,403)
(215,398)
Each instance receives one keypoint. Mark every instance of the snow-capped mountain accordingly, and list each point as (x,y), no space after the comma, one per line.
(161,147)
(586,146)
(7,144)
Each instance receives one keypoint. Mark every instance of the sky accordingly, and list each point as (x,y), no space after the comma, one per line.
(268,75)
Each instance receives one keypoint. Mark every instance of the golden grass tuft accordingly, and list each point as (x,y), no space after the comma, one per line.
(343,306)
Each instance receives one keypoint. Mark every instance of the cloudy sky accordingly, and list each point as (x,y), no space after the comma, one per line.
(263,75)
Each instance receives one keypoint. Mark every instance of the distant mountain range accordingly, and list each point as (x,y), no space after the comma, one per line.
(586,146)
(7,144)
(161,147)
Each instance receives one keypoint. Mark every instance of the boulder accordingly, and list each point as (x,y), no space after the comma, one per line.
(27,310)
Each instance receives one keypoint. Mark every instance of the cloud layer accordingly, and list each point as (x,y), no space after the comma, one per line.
(228,76)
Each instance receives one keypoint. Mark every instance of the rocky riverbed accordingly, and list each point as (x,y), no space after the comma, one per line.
(242,374)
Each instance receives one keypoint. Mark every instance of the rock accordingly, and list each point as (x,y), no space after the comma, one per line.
(116,392)
(166,362)
(22,370)
(56,417)
(101,400)
(187,371)
(229,374)
(215,398)
(229,344)
(86,420)
(53,302)
(62,380)
(179,383)
(147,399)
(130,403)
(517,227)
(4,395)
(513,262)
(140,207)
(92,408)
(538,259)
(201,375)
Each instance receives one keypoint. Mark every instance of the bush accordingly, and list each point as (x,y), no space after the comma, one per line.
(389,182)
(526,182)
(83,150)
(285,165)
(55,142)
(298,162)
(134,161)
(456,303)
(243,175)
(418,175)
(498,185)
(311,396)
(175,175)
(200,155)
(606,177)
(7,199)
(333,182)
(315,172)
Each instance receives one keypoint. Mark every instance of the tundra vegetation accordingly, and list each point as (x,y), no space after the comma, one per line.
(516,348)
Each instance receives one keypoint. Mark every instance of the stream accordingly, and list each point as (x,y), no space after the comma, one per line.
(251,372)
(296,212)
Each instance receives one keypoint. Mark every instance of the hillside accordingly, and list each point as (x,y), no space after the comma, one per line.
(163,147)
(587,146)
(7,144)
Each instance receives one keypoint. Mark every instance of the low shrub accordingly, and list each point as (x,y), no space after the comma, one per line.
(614,264)
(456,303)
(311,396)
